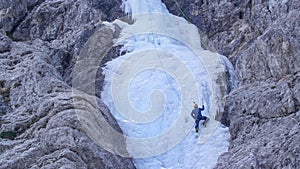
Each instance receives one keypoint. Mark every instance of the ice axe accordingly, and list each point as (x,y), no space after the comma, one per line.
(201,101)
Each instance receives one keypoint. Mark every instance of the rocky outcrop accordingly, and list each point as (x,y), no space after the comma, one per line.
(41,41)
(231,26)
(264,125)
(261,38)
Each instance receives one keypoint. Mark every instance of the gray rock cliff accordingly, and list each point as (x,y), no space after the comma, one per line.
(262,40)
(41,40)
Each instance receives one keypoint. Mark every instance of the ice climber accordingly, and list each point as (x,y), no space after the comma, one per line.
(196,114)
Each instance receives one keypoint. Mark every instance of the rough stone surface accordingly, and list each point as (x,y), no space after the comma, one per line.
(232,26)
(5,43)
(264,125)
(262,39)
(41,41)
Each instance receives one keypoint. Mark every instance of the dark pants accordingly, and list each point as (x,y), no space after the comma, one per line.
(198,120)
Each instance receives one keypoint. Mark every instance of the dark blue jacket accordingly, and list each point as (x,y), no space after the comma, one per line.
(196,113)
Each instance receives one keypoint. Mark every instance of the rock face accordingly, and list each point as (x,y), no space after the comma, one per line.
(41,40)
(39,126)
(264,125)
(261,38)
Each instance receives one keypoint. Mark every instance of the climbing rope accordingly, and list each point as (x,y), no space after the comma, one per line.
(161,62)
(183,14)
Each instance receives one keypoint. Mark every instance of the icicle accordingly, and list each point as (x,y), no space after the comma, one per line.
(232,82)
